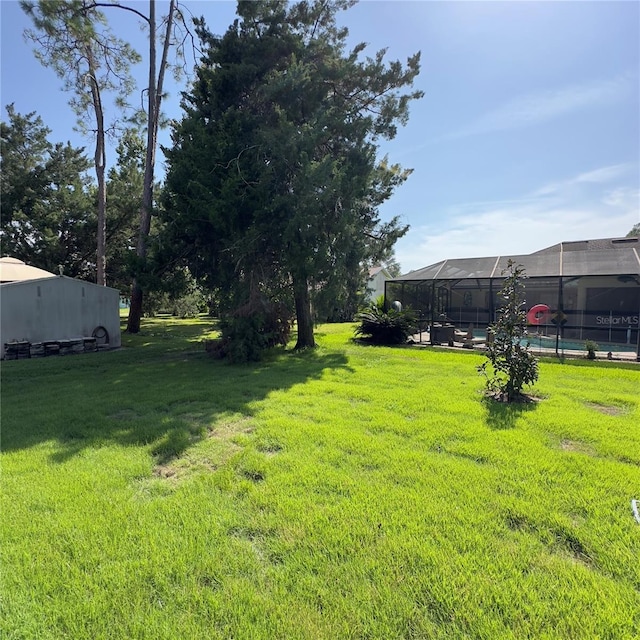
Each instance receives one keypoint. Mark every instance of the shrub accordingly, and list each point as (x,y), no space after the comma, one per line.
(155,302)
(251,329)
(512,363)
(591,346)
(189,305)
(178,294)
(385,327)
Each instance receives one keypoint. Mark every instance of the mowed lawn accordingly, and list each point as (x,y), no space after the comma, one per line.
(350,492)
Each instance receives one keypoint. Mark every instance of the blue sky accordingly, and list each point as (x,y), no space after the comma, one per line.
(528,134)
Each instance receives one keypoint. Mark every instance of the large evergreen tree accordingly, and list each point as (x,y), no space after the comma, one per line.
(273,180)
(47,203)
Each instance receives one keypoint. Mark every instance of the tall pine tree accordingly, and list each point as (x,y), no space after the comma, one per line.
(73,38)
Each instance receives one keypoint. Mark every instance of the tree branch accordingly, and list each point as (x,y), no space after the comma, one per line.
(118,6)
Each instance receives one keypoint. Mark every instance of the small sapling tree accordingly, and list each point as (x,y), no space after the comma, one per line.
(591,346)
(510,365)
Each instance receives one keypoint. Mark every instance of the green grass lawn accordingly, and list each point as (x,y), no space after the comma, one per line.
(350,492)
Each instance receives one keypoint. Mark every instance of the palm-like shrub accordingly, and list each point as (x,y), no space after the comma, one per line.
(384,327)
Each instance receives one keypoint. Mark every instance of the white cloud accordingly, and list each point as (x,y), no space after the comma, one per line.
(526,225)
(535,108)
(623,197)
(604,174)
(595,177)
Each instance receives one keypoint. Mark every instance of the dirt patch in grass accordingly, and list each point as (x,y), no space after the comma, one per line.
(249,533)
(176,461)
(232,427)
(607,409)
(179,469)
(577,446)
(165,471)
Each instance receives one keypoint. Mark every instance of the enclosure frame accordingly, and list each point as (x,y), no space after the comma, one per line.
(587,290)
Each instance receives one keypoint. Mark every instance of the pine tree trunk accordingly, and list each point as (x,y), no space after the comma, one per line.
(304,319)
(155,99)
(100,161)
(101,251)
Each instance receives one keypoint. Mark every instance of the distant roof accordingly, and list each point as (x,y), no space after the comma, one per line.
(607,256)
(373,271)
(14,270)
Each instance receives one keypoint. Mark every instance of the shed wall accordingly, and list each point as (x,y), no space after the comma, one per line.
(58,308)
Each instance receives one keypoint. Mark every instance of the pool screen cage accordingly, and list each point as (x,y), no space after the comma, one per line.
(575,291)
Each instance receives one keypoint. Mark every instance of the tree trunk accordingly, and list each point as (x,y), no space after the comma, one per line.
(101,251)
(100,161)
(135,308)
(155,99)
(303,313)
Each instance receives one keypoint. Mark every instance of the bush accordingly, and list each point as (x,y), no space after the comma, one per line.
(385,327)
(155,302)
(179,295)
(512,364)
(591,346)
(258,325)
(189,305)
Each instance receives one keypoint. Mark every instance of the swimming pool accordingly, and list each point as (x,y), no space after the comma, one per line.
(549,342)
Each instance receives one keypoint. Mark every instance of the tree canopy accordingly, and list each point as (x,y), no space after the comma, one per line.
(47,204)
(124,193)
(73,38)
(273,181)
(48,201)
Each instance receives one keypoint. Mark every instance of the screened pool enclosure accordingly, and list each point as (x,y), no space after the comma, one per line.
(586,290)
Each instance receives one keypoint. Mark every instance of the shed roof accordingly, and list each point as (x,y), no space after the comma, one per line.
(14,270)
(607,256)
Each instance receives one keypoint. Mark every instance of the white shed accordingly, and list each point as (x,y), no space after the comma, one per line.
(58,308)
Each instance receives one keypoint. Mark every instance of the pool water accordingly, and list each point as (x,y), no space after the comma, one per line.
(549,342)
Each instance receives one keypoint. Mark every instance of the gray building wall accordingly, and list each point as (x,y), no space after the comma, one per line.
(58,308)
(375,285)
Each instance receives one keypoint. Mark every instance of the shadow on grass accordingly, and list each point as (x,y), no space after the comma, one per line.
(504,415)
(143,395)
